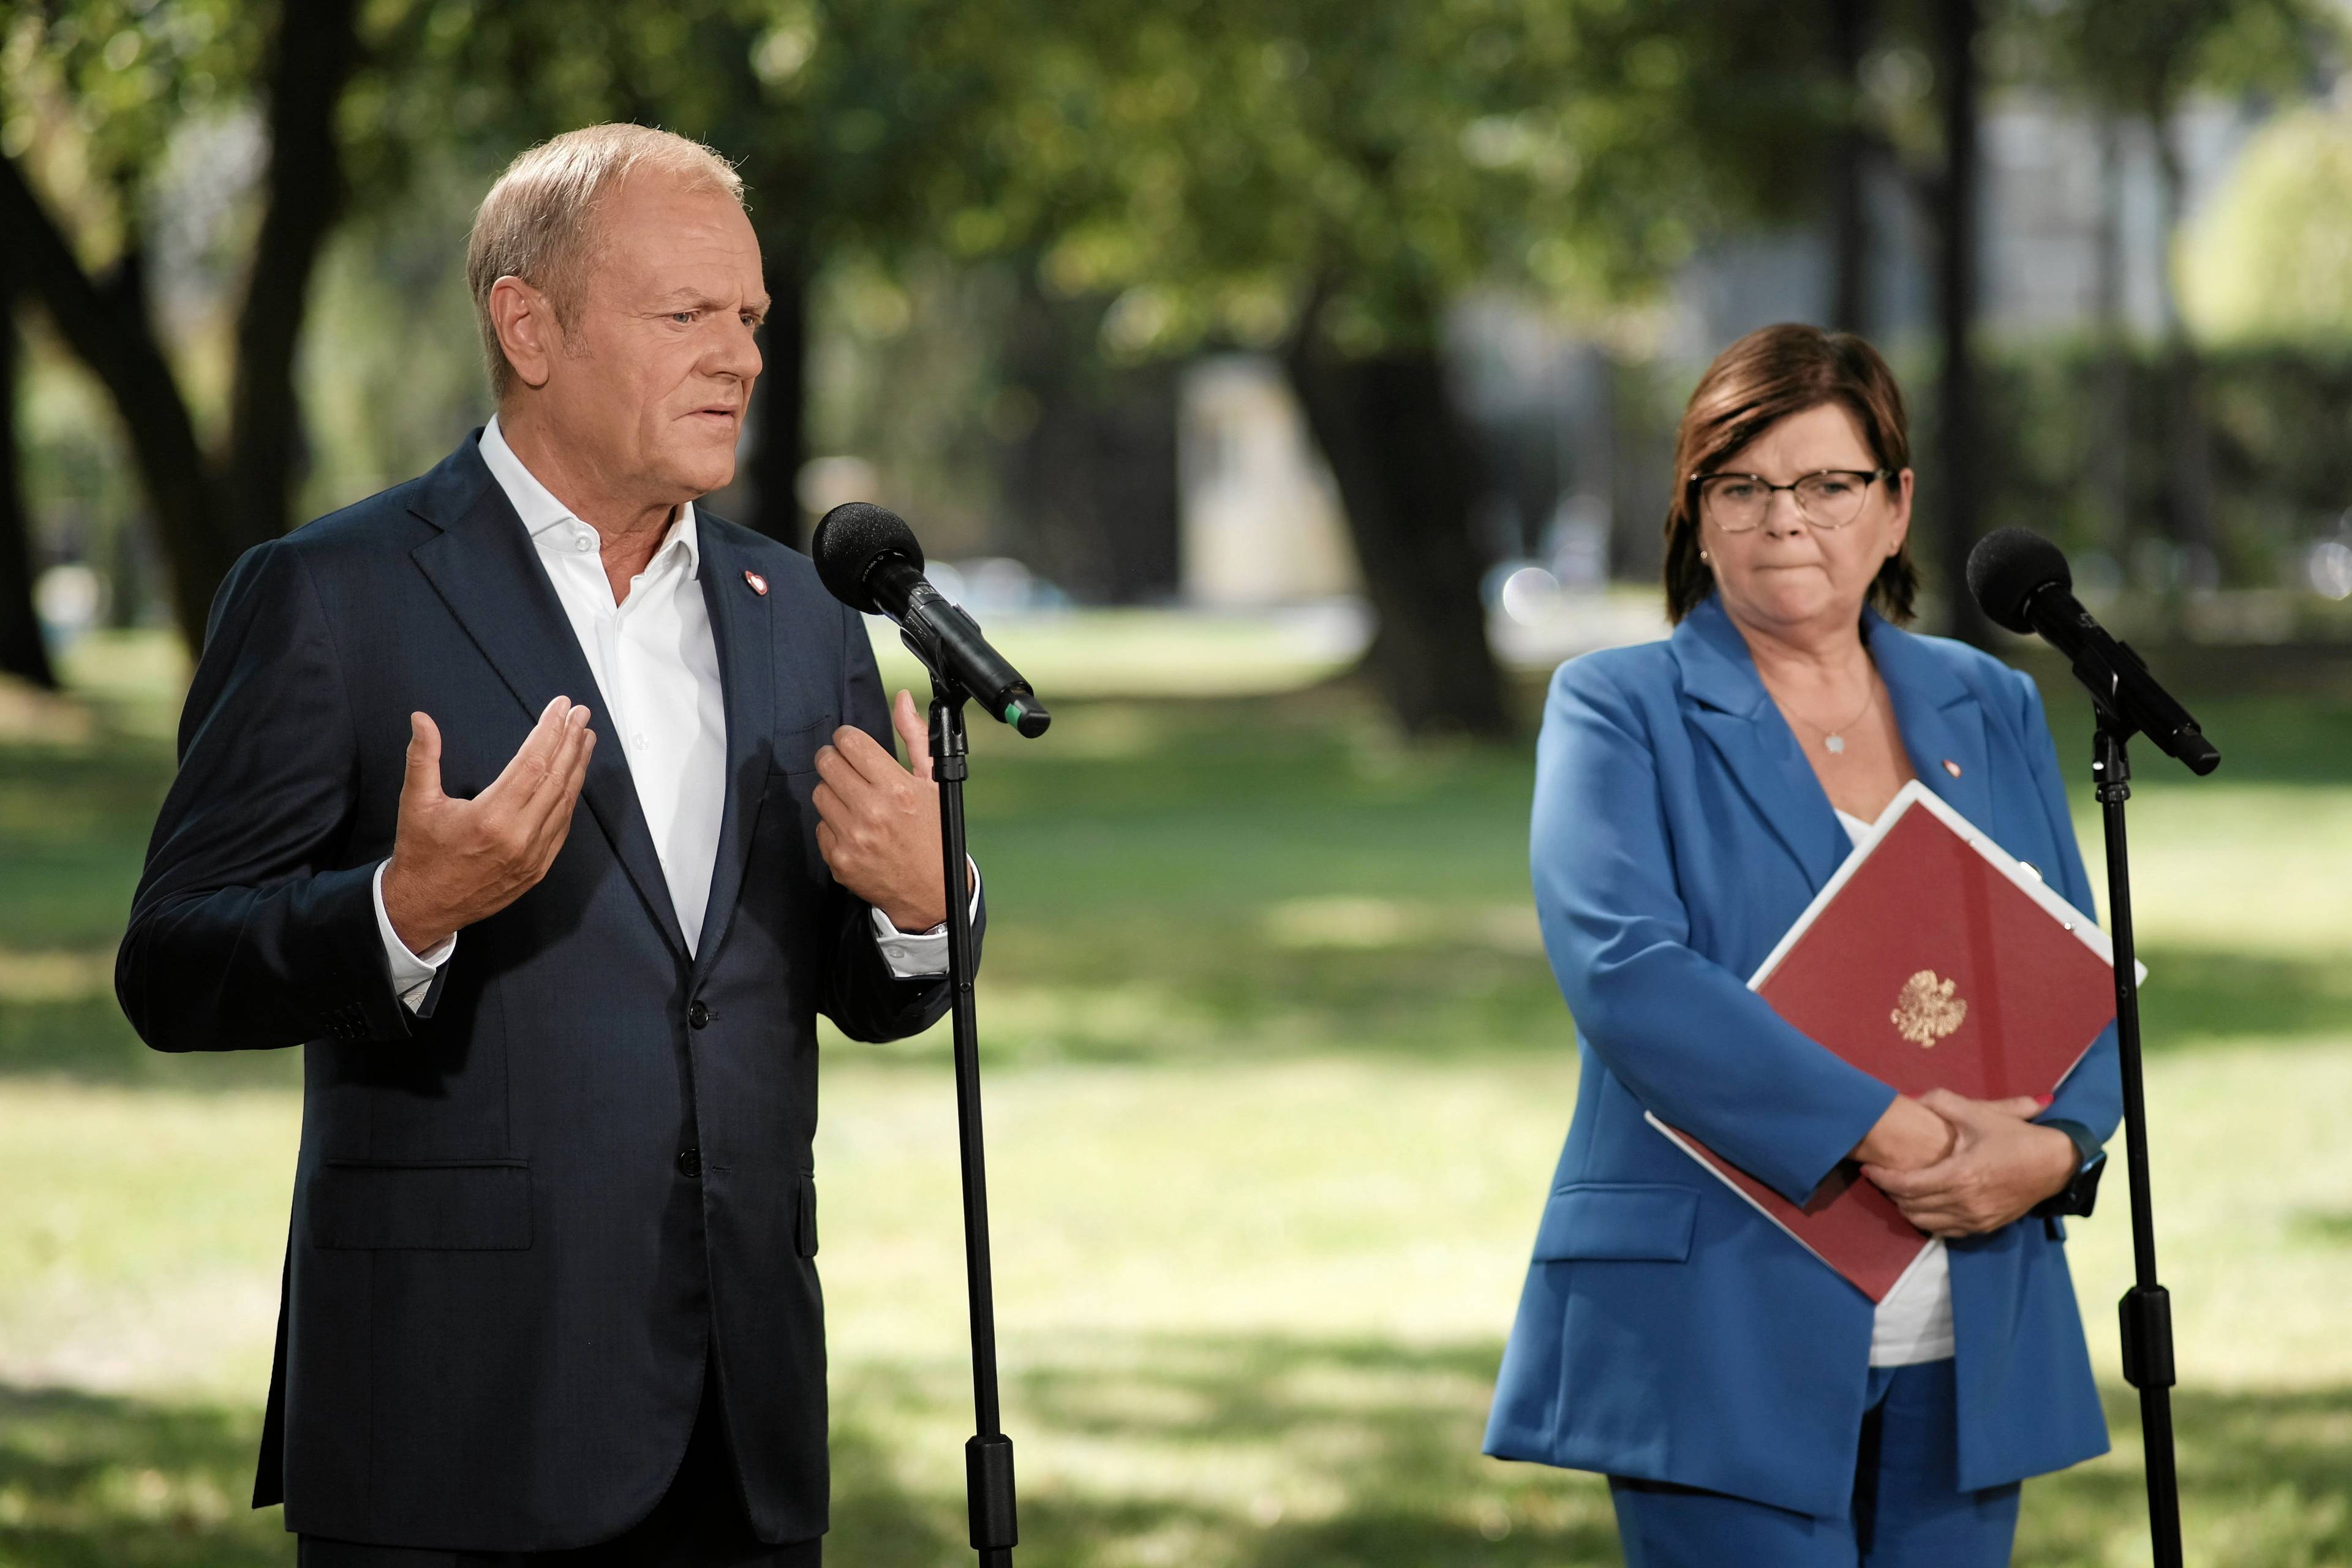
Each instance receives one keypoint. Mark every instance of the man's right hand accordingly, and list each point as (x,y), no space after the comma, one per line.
(458,861)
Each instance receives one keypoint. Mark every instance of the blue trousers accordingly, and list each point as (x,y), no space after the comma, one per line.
(1908,1510)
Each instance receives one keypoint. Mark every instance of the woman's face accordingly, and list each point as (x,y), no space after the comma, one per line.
(1785,575)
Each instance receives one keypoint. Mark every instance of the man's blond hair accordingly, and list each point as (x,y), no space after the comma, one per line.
(538,221)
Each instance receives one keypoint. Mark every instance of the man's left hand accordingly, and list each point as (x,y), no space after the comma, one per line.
(2001,1166)
(879,823)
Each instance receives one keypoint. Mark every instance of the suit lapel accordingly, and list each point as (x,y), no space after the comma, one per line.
(1943,723)
(482,565)
(743,631)
(1732,709)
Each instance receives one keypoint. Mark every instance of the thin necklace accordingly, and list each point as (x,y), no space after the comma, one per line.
(1835,739)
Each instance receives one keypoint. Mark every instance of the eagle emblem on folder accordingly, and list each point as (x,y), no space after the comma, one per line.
(1927,1010)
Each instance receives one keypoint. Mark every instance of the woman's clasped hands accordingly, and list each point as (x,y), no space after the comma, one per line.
(1957,1166)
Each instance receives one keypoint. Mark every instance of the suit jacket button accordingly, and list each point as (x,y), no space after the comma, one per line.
(689,1161)
(699,1015)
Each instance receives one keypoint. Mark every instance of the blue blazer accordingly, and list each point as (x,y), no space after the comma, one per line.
(1668,1331)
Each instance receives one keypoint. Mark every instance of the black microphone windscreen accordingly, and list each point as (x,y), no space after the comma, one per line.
(849,540)
(2007,567)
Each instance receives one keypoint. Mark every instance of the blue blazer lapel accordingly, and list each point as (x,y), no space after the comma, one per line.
(1943,723)
(482,566)
(743,627)
(1732,709)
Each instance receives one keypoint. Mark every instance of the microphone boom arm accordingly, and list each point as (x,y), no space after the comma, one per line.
(2125,694)
(949,642)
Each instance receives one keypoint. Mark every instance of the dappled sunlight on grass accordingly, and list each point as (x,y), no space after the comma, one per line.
(1098,653)
(93,1481)
(1278,1076)
(140,1240)
(1263,1449)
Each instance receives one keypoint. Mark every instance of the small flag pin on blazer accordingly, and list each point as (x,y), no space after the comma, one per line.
(1951,766)
(759,586)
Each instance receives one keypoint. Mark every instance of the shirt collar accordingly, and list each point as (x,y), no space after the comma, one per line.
(540,512)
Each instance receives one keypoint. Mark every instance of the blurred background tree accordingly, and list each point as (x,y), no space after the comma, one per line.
(99,89)
(999,233)
(23,653)
(2272,264)
(1328,182)
(2139,61)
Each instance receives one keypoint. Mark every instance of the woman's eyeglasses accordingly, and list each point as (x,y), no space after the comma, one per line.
(1829,498)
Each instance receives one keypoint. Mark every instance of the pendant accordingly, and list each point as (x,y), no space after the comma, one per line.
(1835,742)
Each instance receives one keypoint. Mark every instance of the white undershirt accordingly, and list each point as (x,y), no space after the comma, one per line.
(1915,1322)
(656,664)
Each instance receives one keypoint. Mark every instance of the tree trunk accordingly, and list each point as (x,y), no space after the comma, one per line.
(1089,489)
(1394,439)
(1849,195)
(205,515)
(1956,484)
(111,329)
(303,196)
(780,409)
(21,652)
(2189,488)
(2110,460)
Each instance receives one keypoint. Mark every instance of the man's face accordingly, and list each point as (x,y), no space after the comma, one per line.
(656,365)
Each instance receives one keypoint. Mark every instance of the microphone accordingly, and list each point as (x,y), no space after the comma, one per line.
(2020,581)
(868,559)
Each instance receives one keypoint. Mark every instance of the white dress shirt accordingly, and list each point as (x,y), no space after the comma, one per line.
(1915,1322)
(656,665)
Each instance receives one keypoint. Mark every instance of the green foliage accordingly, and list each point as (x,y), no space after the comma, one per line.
(2141,57)
(844,115)
(2270,261)
(1231,165)
(129,74)
(2277,418)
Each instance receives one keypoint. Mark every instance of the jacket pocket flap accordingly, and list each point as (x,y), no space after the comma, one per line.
(1631,1222)
(458,1207)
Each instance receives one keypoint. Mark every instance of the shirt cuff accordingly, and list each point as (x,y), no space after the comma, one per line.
(412,976)
(913,955)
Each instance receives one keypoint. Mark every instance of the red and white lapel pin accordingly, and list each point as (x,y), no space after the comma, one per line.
(759,584)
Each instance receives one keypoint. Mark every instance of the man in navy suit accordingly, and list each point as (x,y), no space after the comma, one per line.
(549,1291)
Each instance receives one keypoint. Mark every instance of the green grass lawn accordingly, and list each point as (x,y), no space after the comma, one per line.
(1277,1078)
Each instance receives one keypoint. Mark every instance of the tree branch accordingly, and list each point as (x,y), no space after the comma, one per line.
(303,197)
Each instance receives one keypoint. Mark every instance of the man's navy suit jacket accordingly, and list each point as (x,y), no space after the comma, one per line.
(524,1216)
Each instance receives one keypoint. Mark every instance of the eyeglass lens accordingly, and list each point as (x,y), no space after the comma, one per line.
(1737,502)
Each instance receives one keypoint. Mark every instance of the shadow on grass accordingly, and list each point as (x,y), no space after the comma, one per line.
(2329,1227)
(1251,1453)
(90,1481)
(86,1039)
(1386,1438)
(1140,897)
(1208,1453)
(1184,993)
(1198,994)
(2196,998)
(2278,717)
(2265,1478)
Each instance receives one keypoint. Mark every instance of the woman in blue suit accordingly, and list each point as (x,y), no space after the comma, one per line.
(1750,1406)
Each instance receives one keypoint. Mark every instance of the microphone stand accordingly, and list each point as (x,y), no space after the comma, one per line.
(987,1455)
(2145,1310)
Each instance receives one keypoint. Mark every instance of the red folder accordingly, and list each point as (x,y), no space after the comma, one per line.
(1931,960)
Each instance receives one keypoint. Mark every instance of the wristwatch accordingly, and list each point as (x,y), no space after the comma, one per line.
(2080,1193)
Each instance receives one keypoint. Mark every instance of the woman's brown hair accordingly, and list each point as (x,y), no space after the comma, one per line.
(1763,378)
